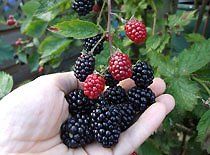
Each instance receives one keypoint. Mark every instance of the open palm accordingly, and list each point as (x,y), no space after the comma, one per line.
(31,116)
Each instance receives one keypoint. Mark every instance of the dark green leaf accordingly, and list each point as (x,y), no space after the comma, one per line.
(30,7)
(195,37)
(102,59)
(184,91)
(194,58)
(22,57)
(149,148)
(6,51)
(6,83)
(34,61)
(33,27)
(77,29)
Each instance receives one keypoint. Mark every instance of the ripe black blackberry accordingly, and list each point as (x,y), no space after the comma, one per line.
(143,74)
(83,7)
(76,131)
(105,124)
(127,116)
(79,103)
(84,66)
(115,95)
(141,98)
(110,81)
(90,43)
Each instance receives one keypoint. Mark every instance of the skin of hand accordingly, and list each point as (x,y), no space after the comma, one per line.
(31,116)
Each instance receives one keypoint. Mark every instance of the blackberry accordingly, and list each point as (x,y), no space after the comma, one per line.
(105,125)
(127,116)
(83,7)
(143,74)
(110,81)
(84,66)
(115,95)
(141,98)
(76,131)
(79,103)
(90,43)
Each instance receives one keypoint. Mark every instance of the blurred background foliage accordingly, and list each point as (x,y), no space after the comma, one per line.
(178,47)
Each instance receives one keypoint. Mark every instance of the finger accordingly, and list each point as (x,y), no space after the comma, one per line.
(66,82)
(96,147)
(158,86)
(167,99)
(149,121)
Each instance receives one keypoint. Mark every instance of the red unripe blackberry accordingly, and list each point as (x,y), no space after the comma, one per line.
(141,98)
(76,131)
(96,8)
(94,86)
(78,102)
(83,7)
(11,22)
(18,42)
(134,153)
(143,74)
(127,115)
(90,43)
(115,95)
(110,81)
(136,31)
(41,69)
(84,66)
(120,66)
(105,124)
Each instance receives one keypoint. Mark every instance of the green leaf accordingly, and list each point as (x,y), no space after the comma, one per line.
(157,43)
(49,9)
(6,83)
(184,91)
(177,22)
(194,58)
(195,37)
(6,51)
(33,27)
(149,148)
(52,46)
(34,61)
(30,7)
(77,29)
(22,57)
(204,130)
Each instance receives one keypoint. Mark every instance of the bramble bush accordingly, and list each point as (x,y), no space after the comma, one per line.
(174,47)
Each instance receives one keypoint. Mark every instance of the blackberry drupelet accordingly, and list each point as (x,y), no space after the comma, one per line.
(79,103)
(90,43)
(76,131)
(115,95)
(141,98)
(83,7)
(127,116)
(143,74)
(84,66)
(105,124)
(110,81)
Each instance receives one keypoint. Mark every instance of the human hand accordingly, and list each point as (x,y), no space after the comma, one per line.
(31,116)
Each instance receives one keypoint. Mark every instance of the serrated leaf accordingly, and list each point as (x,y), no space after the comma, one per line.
(33,27)
(194,58)
(184,91)
(194,37)
(157,43)
(52,46)
(30,7)
(6,51)
(149,148)
(77,29)
(177,22)
(6,83)
(204,130)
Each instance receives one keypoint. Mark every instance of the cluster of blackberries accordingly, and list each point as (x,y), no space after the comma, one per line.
(99,114)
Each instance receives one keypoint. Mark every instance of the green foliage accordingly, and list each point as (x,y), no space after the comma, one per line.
(6,84)
(6,51)
(149,148)
(77,29)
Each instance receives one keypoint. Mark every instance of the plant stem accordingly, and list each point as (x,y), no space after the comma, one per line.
(100,14)
(206,22)
(183,146)
(92,50)
(200,16)
(109,25)
(155,16)
(202,84)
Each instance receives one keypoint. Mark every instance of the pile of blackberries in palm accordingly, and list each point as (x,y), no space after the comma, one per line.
(103,109)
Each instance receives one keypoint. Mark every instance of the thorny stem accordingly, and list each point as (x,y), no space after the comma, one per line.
(120,18)
(109,25)
(200,16)
(202,84)
(100,14)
